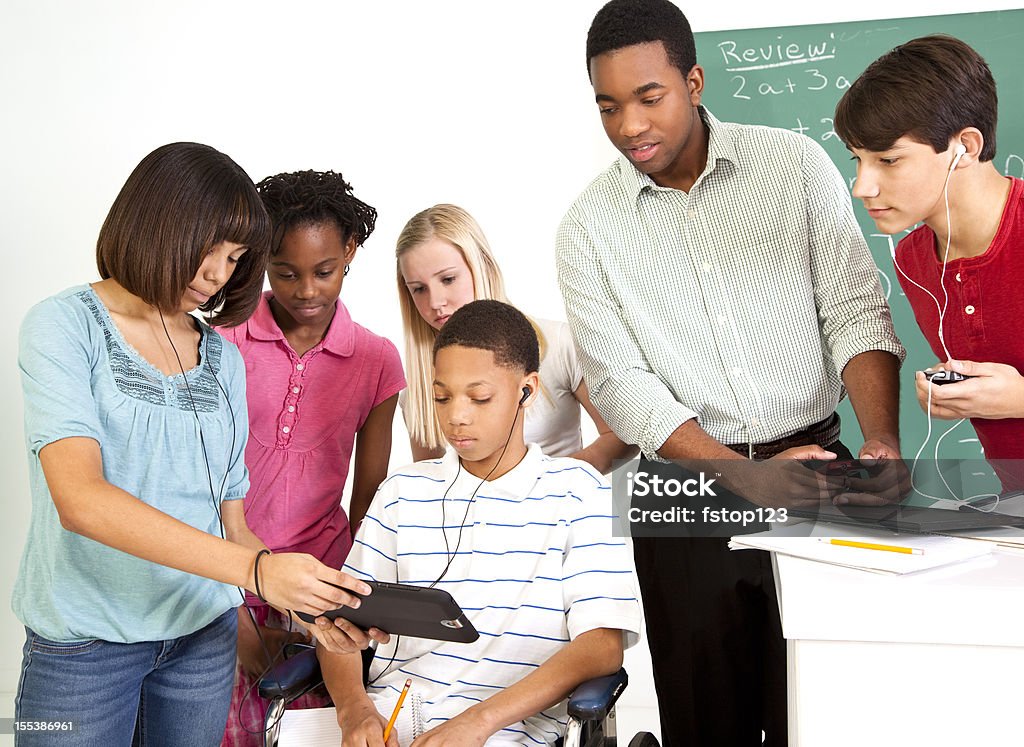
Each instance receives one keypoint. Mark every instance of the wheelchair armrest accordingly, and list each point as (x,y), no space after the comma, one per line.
(593,699)
(292,677)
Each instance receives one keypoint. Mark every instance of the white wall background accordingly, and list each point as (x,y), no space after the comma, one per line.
(483,104)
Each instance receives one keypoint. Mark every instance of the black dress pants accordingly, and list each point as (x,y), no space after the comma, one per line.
(716,642)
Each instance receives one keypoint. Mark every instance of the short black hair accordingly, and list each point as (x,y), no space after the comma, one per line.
(310,198)
(624,23)
(928,89)
(495,326)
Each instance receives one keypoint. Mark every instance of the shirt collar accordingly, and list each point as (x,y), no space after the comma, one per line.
(340,337)
(720,146)
(516,483)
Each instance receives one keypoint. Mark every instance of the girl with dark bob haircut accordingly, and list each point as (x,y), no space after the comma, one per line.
(135,426)
(180,201)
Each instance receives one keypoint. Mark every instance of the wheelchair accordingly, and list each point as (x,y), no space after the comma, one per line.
(591,705)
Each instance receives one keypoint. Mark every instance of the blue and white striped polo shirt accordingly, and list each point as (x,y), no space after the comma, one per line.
(536,565)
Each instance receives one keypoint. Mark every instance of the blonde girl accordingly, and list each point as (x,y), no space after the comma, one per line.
(443,263)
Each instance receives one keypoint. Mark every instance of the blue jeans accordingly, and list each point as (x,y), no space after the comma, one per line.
(151,693)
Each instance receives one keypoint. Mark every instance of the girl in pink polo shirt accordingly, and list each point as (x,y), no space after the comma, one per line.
(317,385)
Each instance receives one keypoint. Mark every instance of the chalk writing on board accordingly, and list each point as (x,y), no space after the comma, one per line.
(850,36)
(1014,166)
(822,131)
(811,79)
(775,54)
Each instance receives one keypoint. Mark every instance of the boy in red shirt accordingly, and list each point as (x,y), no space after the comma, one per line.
(921,122)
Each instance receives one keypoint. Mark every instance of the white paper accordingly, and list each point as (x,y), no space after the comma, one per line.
(811,542)
(310,727)
(318,727)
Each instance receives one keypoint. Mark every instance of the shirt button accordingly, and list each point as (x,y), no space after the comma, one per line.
(299,366)
(295,390)
(286,429)
(707,267)
(691,214)
(755,423)
(291,408)
(958,277)
(721,319)
(969,309)
(737,371)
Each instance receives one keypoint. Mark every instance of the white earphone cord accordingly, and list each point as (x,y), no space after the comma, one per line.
(942,340)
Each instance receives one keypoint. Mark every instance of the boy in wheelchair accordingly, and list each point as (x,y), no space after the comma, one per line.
(523,543)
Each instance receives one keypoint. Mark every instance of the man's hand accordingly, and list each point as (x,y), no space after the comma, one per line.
(872,382)
(994,392)
(875,449)
(887,479)
(784,481)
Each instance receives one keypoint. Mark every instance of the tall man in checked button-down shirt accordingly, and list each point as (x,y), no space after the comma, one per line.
(722,296)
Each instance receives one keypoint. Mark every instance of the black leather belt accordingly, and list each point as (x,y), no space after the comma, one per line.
(821,433)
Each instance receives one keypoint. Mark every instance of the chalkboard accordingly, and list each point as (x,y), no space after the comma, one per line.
(793,77)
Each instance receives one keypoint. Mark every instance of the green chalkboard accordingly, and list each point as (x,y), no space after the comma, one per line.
(792,77)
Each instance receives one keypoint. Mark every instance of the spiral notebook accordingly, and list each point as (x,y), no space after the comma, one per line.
(411,721)
(318,727)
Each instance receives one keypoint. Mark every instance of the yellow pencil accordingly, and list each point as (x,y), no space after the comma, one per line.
(398,707)
(873,546)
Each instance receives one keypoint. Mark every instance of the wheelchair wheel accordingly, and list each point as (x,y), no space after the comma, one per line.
(272,723)
(644,739)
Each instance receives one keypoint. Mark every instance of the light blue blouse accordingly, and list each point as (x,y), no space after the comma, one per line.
(81,378)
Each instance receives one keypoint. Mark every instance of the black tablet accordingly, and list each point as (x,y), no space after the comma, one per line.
(913,519)
(414,611)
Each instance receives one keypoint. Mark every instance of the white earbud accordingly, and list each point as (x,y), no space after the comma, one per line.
(960,150)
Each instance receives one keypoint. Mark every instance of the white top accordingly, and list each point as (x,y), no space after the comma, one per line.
(737,303)
(535,566)
(553,420)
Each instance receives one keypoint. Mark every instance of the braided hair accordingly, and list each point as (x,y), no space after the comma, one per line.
(305,198)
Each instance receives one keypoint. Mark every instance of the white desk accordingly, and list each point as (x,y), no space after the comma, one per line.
(930,659)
